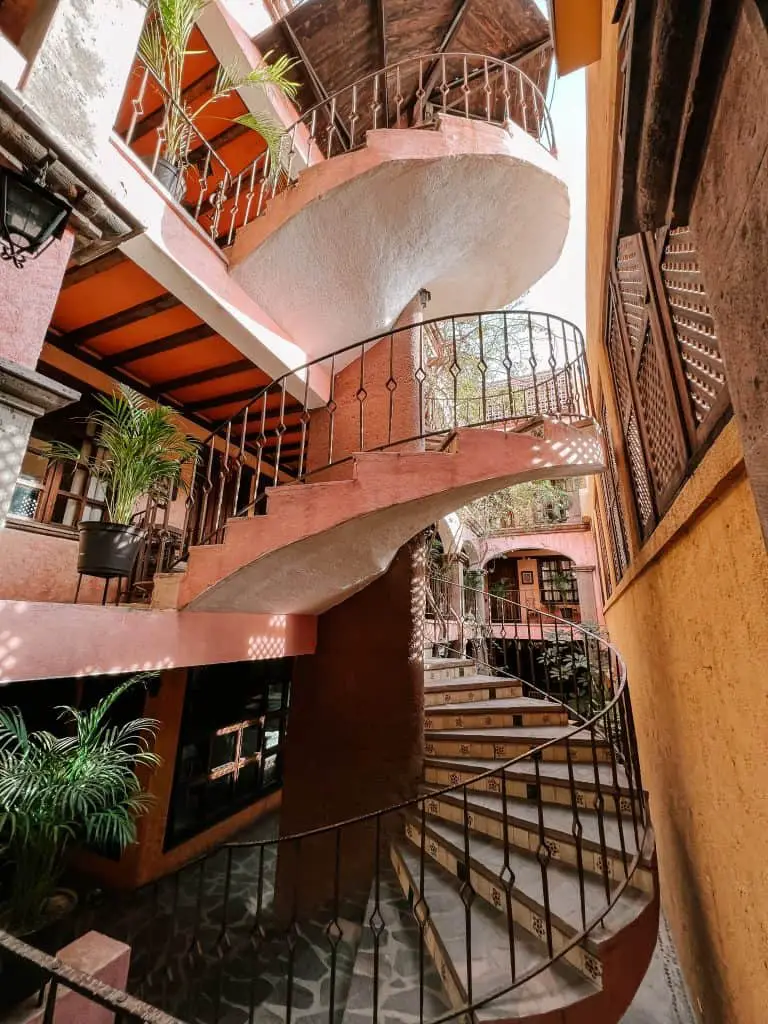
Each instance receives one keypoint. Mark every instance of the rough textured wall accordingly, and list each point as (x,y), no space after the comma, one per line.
(730,216)
(356,727)
(35,566)
(27,298)
(693,632)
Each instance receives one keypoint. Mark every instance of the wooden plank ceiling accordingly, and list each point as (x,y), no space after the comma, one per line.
(113,316)
(341,41)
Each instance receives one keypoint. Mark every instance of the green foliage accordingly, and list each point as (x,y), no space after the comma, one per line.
(164,48)
(142,450)
(515,506)
(59,790)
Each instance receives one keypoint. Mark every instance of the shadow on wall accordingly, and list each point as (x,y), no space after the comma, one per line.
(699,939)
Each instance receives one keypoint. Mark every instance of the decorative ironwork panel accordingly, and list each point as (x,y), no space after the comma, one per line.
(666,454)
(693,326)
(633,288)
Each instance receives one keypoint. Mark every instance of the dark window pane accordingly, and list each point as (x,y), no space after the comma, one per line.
(251,741)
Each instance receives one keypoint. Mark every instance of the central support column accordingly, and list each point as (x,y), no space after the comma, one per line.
(377,397)
(355,736)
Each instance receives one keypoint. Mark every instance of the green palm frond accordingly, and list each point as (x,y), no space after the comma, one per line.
(143,449)
(55,790)
(272,133)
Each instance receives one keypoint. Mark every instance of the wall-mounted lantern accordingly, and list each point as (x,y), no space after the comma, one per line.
(31,216)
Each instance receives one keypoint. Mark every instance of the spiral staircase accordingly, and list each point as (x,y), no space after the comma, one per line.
(519,884)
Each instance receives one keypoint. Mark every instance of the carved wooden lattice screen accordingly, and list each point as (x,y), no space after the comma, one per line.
(667,371)
(609,482)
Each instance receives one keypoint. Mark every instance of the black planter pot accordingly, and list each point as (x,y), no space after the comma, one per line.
(171,177)
(19,979)
(108,549)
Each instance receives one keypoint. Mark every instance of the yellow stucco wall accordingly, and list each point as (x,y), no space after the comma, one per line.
(693,630)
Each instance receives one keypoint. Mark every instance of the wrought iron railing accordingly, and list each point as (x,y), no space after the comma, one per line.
(505,369)
(255,924)
(410,94)
(57,980)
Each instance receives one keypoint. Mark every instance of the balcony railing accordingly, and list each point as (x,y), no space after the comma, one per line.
(411,94)
(388,391)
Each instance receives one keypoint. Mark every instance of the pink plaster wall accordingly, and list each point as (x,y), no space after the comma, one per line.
(37,567)
(44,641)
(578,545)
(27,299)
(97,956)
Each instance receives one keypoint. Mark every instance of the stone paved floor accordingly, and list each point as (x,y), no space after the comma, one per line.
(215,982)
(662,998)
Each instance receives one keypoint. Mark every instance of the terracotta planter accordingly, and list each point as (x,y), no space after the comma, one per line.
(108,549)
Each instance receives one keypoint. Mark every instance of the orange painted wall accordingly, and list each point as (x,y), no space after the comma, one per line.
(146,860)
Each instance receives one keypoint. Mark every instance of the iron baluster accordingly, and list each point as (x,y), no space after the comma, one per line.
(487,90)
(292,935)
(50,1001)
(305,420)
(361,397)
(333,932)
(250,194)
(421,910)
(223,475)
(255,936)
(577,831)
(600,809)
(543,853)
(508,875)
(235,209)
(533,361)
(467,895)
(241,456)
(391,386)
(331,407)
(206,489)
(552,360)
(375,921)
(261,440)
(280,429)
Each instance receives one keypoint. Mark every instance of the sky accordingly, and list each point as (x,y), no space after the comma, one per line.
(562,290)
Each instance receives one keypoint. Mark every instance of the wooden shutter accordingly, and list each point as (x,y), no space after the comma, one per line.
(696,360)
(655,430)
(609,482)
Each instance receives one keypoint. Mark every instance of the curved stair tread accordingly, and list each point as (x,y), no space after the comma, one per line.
(564,900)
(503,704)
(555,772)
(513,734)
(554,988)
(473,682)
(558,820)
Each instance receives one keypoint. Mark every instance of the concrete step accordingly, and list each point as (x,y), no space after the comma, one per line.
(522,881)
(612,851)
(448,668)
(510,712)
(470,688)
(558,986)
(502,744)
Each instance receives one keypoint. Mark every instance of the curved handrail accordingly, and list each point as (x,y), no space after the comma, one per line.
(610,725)
(499,367)
(405,94)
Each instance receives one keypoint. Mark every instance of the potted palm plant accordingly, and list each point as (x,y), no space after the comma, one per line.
(56,791)
(139,452)
(164,48)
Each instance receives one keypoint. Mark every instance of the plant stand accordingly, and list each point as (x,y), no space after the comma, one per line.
(107,581)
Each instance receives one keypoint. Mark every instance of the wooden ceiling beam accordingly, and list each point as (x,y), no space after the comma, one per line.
(85,271)
(318,88)
(213,373)
(160,345)
(243,396)
(381,23)
(450,34)
(143,310)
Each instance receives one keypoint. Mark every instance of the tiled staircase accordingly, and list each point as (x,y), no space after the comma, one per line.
(488,911)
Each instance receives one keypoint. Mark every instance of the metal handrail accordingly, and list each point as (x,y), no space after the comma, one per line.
(377,100)
(549,379)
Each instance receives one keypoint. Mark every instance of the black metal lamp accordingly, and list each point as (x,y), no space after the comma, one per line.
(31,216)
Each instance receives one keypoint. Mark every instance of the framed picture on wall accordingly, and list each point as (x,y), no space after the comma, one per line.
(526,578)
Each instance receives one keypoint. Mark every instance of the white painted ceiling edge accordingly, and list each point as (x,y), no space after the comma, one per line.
(471,212)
